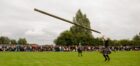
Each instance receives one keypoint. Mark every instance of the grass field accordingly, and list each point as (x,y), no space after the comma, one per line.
(123,58)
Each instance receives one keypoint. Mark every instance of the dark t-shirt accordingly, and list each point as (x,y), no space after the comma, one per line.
(79,49)
(106,51)
(106,43)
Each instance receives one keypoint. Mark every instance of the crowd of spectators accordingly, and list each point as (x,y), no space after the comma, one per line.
(40,48)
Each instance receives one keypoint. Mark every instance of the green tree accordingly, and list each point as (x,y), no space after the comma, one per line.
(4,40)
(65,38)
(83,21)
(114,43)
(98,41)
(125,42)
(22,41)
(13,41)
(136,40)
(136,37)
(76,34)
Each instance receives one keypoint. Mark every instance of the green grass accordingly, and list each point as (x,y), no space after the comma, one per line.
(123,58)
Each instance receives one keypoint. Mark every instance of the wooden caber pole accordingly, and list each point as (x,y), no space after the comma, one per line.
(65,20)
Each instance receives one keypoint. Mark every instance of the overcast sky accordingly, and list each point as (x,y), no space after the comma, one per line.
(117,19)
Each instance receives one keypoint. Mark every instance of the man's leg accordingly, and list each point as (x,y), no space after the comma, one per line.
(78,53)
(108,58)
(105,57)
(81,53)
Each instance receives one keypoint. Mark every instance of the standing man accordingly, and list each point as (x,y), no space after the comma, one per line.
(106,50)
(79,50)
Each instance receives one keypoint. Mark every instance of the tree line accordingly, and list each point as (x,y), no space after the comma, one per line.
(66,39)
(7,40)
